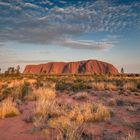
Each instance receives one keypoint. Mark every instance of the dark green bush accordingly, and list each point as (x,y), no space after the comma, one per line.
(61,85)
(78,86)
(24,91)
(138,85)
(5,93)
(119,83)
(73,86)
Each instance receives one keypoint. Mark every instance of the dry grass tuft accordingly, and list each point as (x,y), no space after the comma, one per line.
(67,120)
(130,86)
(46,106)
(111,87)
(45,93)
(99,86)
(112,102)
(71,124)
(81,113)
(8,109)
(131,136)
(67,129)
(81,95)
(102,113)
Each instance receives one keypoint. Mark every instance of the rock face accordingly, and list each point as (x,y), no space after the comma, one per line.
(79,67)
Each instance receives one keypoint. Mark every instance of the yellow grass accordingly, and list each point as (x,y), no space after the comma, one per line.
(71,124)
(67,129)
(111,87)
(102,113)
(89,112)
(81,113)
(131,136)
(130,86)
(31,81)
(68,121)
(46,94)
(46,106)
(99,86)
(8,109)
(15,83)
(81,95)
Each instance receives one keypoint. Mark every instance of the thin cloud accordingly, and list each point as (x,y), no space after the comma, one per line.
(32,61)
(86,44)
(45,22)
(30,5)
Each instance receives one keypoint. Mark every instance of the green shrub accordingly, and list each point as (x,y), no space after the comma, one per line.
(78,86)
(119,83)
(5,93)
(73,86)
(61,85)
(24,90)
(21,91)
(138,85)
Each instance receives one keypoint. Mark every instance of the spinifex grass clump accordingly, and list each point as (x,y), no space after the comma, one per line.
(8,109)
(46,106)
(131,136)
(71,123)
(99,86)
(66,129)
(111,86)
(81,95)
(101,114)
(132,86)
(67,120)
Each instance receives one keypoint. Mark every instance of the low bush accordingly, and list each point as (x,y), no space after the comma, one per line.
(20,92)
(119,83)
(78,86)
(5,93)
(73,86)
(138,85)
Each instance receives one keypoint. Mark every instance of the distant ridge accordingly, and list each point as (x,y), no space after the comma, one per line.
(83,67)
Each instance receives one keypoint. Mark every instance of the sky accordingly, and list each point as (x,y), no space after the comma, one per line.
(40,31)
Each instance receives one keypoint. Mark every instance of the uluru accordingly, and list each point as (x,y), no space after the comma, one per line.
(78,67)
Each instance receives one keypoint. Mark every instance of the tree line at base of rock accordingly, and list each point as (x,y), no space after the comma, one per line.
(12,71)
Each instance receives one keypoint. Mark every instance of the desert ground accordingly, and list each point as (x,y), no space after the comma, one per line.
(70,107)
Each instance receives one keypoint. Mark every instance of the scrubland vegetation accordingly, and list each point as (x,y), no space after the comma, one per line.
(69,104)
